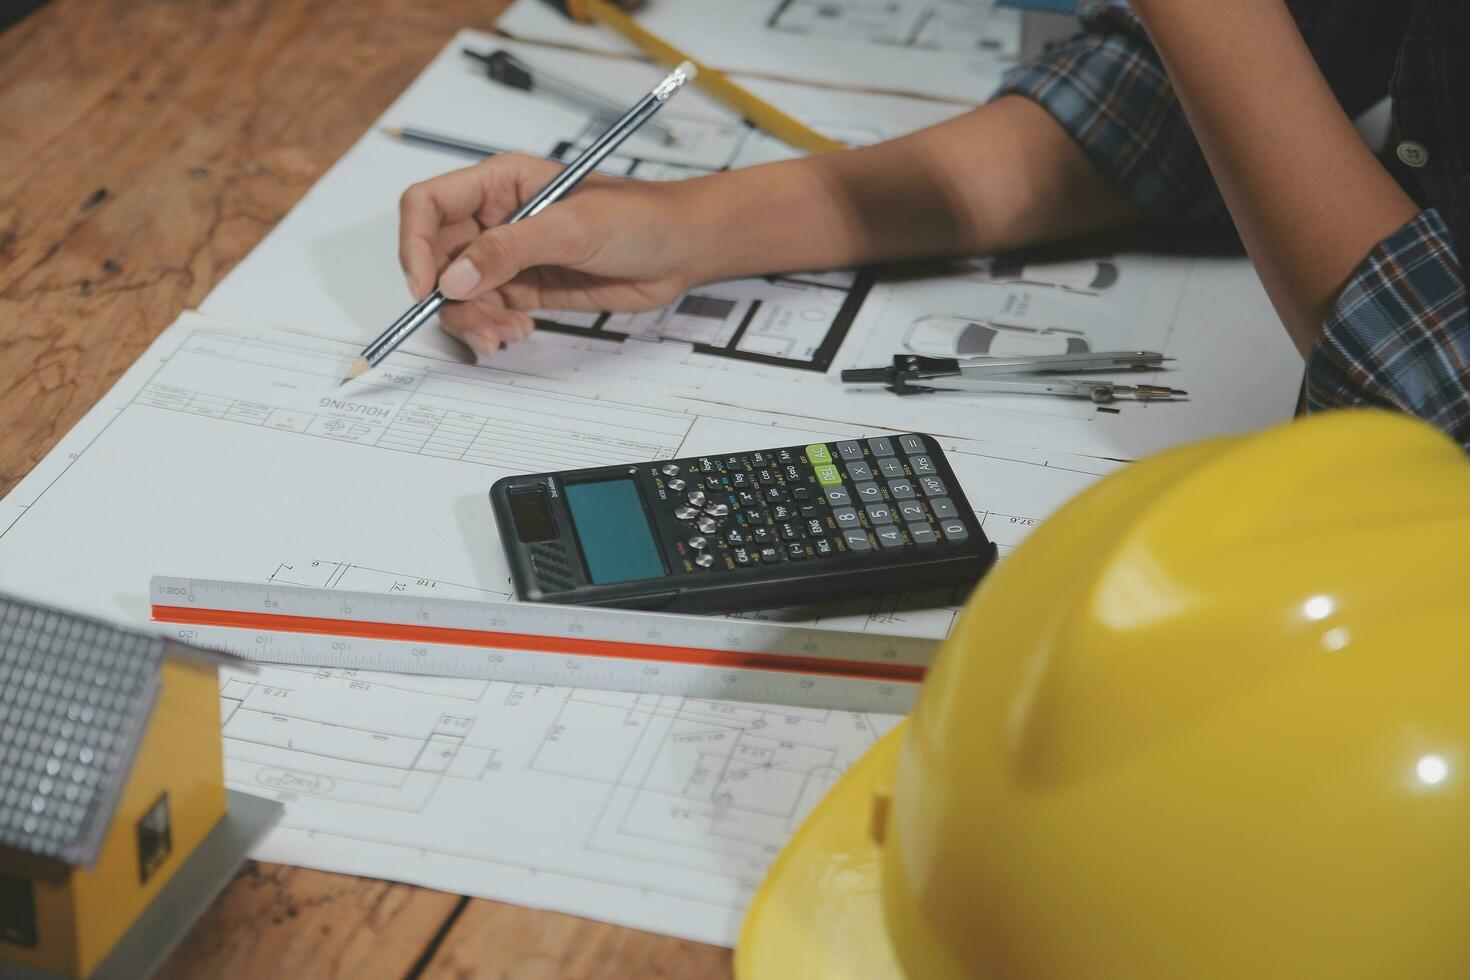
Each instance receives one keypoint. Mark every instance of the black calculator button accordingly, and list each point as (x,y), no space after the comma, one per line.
(796,551)
(793,473)
(954,530)
(815,527)
(922,533)
(737,538)
(859,471)
(697,498)
(846,517)
(850,449)
(868,492)
(704,559)
(890,467)
(880,514)
(943,507)
(748,498)
(933,486)
(733,463)
(901,490)
(838,496)
(739,481)
(881,446)
(911,510)
(765,476)
(782,512)
(824,547)
(676,484)
(762,535)
(754,515)
(670,469)
(685,513)
(922,465)
(786,456)
(801,494)
(758,459)
(718,510)
(789,531)
(912,444)
(741,557)
(857,540)
(774,494)
(890,536)
(769,554)
(809,511)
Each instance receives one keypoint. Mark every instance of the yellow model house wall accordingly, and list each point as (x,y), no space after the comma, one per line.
(89,910)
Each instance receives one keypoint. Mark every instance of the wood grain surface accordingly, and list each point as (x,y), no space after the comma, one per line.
(146,147)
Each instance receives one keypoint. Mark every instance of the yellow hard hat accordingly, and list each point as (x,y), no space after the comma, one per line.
(1211,721)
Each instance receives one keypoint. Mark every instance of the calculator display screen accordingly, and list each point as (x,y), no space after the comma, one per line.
(617,543)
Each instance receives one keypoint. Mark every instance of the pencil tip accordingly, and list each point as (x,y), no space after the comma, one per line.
(394,131)
(359,368)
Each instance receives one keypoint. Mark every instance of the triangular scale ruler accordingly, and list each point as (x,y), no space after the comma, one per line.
(538,643)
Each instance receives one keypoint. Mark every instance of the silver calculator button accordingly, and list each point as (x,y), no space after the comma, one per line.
(933,486)
(901,490)
(676,484)
(890,536)
(704,559)
(890,466)
(881,446)
(921,533)
(708,525)
(922,465)
(954,530)
(944,507)
(859,471)
(868,492)
(717,510)
(696,497)
(880,514)
(846,517)
(669,469)
(857,540)
(685,513)
(911,510)
(850,449)
(912,444)
(838,496)
(699,542)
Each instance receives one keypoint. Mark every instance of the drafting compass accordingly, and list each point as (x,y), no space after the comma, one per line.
(912,374)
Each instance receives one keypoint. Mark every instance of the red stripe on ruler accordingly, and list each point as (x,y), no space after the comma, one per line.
(694,656)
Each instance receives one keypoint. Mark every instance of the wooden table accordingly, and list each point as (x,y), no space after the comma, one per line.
(146,147)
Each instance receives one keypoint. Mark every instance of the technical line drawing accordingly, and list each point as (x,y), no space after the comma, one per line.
(935,25)
(1090,277)
(957,336)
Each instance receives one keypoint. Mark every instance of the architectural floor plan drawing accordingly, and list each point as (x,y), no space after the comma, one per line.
(790,321)
(934,25)
(228,451)
(946,49)
(332,261)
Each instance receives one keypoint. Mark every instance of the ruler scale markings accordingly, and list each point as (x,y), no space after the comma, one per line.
(611,649)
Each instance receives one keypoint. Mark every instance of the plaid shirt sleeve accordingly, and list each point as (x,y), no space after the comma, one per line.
(1108,89)
(1399,334)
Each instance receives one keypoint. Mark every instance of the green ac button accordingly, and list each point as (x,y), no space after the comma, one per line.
(828,476)
(817,454)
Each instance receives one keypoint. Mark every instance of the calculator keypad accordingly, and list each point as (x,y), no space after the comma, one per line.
(809,502)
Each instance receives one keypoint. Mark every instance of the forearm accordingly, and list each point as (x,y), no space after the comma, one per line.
(1306,194)
(1001,177)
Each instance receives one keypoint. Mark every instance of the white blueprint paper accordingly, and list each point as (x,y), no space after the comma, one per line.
(228,451)
(947,49)
(333,262)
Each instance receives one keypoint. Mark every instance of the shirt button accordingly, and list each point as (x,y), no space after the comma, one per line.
(1413,154)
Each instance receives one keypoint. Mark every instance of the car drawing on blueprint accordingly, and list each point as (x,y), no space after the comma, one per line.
(938,335)
(1091,277)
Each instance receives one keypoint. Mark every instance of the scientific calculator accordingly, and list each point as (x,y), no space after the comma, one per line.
(778,527)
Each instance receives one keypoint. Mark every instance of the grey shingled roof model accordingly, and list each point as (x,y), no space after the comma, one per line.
(75,697)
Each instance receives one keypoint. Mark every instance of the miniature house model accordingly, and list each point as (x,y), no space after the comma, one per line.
(110,786)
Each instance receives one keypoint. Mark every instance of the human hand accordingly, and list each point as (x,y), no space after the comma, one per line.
(611,244)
